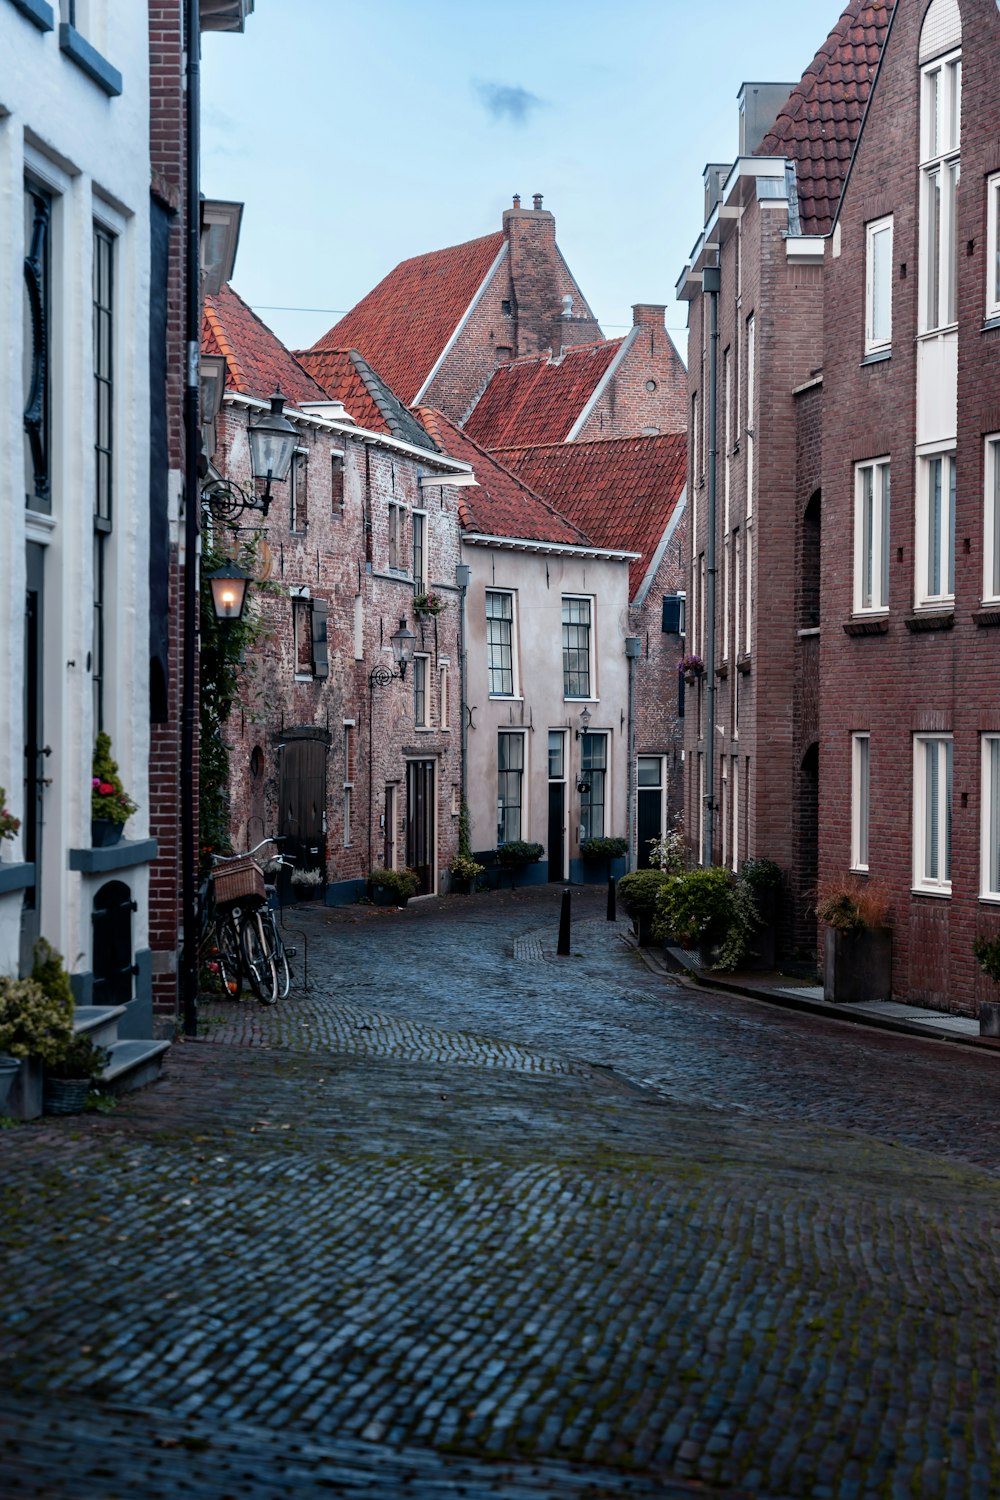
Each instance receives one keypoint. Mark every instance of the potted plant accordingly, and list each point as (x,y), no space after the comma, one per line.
(987,955)
(857,943)
(306,882)
(639,893)
(764,879)
(36,1027)
(428,604)
(692,666)
(465,872)
(515,854)
(9,825)
(68,1079)
(596,851)
(110,805)
(392,887)
(695,909)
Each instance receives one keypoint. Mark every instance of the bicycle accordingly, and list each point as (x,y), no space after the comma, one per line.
(263,956)
(219,944)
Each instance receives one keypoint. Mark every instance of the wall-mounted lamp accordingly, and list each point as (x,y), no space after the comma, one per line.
(584,721)
(402,642)
(229,591)
(273,441)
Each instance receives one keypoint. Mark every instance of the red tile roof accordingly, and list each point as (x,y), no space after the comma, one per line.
(819,125)
(621,491)
(537,400)
(257,362)
(404,323)
(337,373)
(501,504)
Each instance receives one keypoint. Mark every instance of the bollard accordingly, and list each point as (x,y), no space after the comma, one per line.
(563,947)
(612,900)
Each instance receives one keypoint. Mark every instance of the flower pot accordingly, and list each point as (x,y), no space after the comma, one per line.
(461,885)
(9,1069)
(104,833)
(642,923)
(65,1096)
(858,965)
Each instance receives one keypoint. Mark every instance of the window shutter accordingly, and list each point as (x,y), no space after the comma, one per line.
(673,614)
(320,652)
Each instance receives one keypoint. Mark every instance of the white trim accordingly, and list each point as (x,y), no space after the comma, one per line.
(877,539)
(991,519)
(940,884)
(860,799)
(924,599)
(988,891)
(515,694)
(592,694)
(873,291)
(461,323)
(601,386)
(525,544)
(993,246)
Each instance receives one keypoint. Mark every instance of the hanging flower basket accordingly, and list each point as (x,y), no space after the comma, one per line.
(428,604)
(692,666)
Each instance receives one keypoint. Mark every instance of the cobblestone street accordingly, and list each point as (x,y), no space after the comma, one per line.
(466,1219)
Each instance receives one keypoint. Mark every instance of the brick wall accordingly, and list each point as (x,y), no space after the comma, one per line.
(648,391)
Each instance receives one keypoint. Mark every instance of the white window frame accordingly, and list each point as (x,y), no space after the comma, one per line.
(419,528)
(989,841)
(932,756)
(443,706)
(991,520)
(872,526)
(522,783)
(941,556)
(299,466)
(993,246)
(860,799)
(421,672)
(940,139)
(301,621)
(878,285)
(514,675)
(751,396)
(590,696)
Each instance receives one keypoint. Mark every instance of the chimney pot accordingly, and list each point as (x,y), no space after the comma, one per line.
(537,200)
(517,200)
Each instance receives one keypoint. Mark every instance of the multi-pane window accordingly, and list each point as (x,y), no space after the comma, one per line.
(878,285)
(302,634)
(594,776)
(443,694)
(993,246)
(500,642)
(420,551)
(337,483)
(989,879)
(576,619)
(860,799)
(420,707)
(991,522)
(871,535)
(298,491)
(104,373)
(751,393)
(36,369)
(940,116)
(395,530)
(932,782)
(935,561)
(510,785)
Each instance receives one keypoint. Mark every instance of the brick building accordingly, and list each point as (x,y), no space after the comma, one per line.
(350,771)
(910,701)
(752,730)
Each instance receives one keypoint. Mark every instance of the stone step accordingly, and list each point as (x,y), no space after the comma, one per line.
(132,1064)
(99,1023)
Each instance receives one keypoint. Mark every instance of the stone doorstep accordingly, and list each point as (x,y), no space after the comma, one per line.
(131,1064)
(98,1022)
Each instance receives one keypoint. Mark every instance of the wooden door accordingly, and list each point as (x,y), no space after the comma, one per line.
(420,841)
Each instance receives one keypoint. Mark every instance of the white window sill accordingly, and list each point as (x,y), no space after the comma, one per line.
(303,677)
(860,869)
(877,355)
(940,892)
(990,898)
(506,697)
(937,605)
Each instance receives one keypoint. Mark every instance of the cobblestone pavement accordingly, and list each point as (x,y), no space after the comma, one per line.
(424,1231)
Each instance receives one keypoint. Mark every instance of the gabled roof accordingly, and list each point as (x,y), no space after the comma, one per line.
(820,123)
(404,323)
(621,491)
(537,400)
(257,362)
(345,376)
(500,504)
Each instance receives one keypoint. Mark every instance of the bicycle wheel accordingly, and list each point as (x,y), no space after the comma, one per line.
(258,959)
(276,948)
(230,958)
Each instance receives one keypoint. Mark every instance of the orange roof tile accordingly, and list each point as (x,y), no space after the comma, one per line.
(820,123)
(345,376)
(621,491)
(537,400)
(257,361)
(501,504)
(405,322)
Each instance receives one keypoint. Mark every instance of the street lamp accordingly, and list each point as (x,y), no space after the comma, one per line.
(229,591)
(273,441)
(402,642)
(584,722)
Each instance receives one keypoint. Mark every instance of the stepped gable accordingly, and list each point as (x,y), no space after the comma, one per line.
(500,504)
(537,400)
(346,376)
(257,362)
(621,491)
(404,323)
(820,123)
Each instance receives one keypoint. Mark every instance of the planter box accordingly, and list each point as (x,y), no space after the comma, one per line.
(24,1101)
(104,833)
(763,940)
(858,965)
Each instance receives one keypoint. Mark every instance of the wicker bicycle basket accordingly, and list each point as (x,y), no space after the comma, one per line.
(240,883)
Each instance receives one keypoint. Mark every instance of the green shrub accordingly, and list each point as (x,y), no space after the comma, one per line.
(761,874)
(694,907)
(464,867)
(49,973)
(34,1023)
(639,891)
(603,848)
(82,1059)
(108,799)
(519,852)
(987,953)
(401,884)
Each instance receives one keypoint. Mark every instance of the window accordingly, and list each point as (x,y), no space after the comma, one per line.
(298,475)
(576,647)
(751,390)
(991,522)
(932,776)
(860,746)
(557,755)
(443,694)
(336,482)
(878,285)
(695,455)
(510,783)
(871,536)
(396,532)
(935,561)
(37,373)
(104,375)
(420,705)
(940,115)
(593,775)
(349,771)
(302,630)
(420,551)
(993,246)
(989,880)
(389,851)
(500,642)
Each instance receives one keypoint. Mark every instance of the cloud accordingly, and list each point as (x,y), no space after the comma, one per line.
(506,101)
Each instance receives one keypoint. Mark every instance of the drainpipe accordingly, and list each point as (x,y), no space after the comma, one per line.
(711,281)
(192,491)
(463,577)
(633,649)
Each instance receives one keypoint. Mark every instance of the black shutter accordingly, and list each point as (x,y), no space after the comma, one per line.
(320,650)
(673,614)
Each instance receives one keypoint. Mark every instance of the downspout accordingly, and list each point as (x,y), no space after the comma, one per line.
(633,647)
(192,488)
(711,281)
(463,576)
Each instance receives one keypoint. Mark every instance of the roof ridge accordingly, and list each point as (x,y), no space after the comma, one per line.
(631,437)
(240,378)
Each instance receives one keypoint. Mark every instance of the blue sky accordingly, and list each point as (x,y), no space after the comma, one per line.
(360,134)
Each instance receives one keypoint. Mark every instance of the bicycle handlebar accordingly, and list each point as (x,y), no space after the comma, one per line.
(222,859)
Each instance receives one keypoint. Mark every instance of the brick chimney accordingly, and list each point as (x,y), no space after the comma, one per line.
(652,313)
